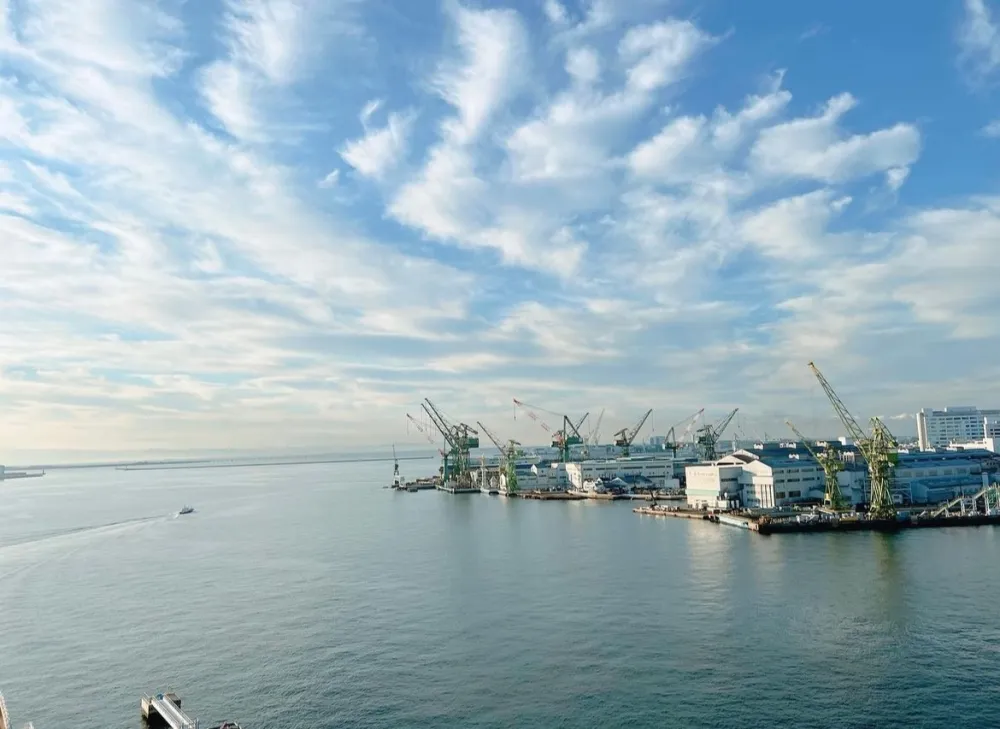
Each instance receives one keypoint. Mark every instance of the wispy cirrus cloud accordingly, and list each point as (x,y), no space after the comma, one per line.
(979,40)
(585,205)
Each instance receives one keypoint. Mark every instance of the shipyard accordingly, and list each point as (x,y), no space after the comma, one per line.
(864,481)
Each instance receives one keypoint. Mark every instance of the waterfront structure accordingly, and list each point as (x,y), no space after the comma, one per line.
(651,472)
(955,424)
(714,485)
(767,476)
(928,478)
(775,475)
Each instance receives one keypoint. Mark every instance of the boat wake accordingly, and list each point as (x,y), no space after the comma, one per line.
(40,537)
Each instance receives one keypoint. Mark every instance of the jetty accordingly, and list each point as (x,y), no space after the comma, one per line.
(164,711)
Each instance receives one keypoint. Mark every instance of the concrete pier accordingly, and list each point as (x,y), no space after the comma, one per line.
(164,710)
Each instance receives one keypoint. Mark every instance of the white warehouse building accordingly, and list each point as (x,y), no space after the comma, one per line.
(760,478)
(961,424)
(659,472)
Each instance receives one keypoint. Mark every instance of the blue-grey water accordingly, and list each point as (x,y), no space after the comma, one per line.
(309,596)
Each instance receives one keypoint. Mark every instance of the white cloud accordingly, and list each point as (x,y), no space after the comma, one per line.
(493,55)
(659,53)
(895,177)
(992,129)
(583,64)
(331,180)
(979,40)
(793,228)
(380,149)
(555,12)
(270,44)
(213,288)
(814,147)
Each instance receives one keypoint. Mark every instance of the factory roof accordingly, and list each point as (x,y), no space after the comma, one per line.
(776,457)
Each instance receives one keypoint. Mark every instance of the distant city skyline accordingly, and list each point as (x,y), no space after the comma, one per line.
(272,224)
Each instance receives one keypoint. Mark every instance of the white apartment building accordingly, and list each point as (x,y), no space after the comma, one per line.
(962,424)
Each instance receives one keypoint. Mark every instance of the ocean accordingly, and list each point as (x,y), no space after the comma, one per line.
(309,596)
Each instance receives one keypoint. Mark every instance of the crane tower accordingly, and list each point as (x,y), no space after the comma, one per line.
(878,448)
(831,464)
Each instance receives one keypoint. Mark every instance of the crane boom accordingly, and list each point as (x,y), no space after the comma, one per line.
(708,436)
(625,437)
(445,428)
(853,429)
(831,464)
(489,434)
(720,428)
(508,457)
(877,449)
(595,434)
(562,439)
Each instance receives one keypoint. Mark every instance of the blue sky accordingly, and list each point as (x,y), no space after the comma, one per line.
(263,223)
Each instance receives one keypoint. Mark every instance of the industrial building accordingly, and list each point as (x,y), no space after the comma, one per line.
(961,424)
(639,473)
(774,475)
(771,476)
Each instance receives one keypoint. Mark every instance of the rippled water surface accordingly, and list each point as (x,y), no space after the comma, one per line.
(309,596)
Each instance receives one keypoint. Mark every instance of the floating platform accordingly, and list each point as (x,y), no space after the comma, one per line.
(676,513)
(456,489)
(550,496)
(12,475)
(854,524)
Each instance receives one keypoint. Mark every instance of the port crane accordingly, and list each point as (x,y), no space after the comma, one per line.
(878,448)
(625,437)
(562,439)
(831,464)
(594,435)
(591,438)
(425,431)
(460,438)
(508,457)
(708,436)
(671,441)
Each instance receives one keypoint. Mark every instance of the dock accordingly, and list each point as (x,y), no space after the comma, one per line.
(164,710)
(676,512)
(550,496)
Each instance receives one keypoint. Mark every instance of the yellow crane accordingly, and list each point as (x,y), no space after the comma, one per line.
(831,463)
(878,448)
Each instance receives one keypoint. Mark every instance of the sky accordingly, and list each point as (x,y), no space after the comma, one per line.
(272,223)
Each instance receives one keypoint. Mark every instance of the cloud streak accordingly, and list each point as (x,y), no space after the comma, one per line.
(213,235)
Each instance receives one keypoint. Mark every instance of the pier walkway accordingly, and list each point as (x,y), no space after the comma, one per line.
(167,708)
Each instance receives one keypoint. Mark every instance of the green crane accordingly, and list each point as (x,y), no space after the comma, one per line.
(508,458)
(563,439)
(460,438)
(709,435)
(625,437)
(878,448)
(831,464)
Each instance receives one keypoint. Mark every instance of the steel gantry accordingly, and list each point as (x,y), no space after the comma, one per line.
(564,438)
(625,437)
(709,435)
(831,463)
(508,458)
(877,447)
(460,439)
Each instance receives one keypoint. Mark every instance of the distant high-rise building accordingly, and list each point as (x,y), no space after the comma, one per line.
(962,424)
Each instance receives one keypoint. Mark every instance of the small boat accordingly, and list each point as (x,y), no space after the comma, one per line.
(186,510)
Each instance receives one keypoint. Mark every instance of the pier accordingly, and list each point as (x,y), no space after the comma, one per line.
(164,710)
